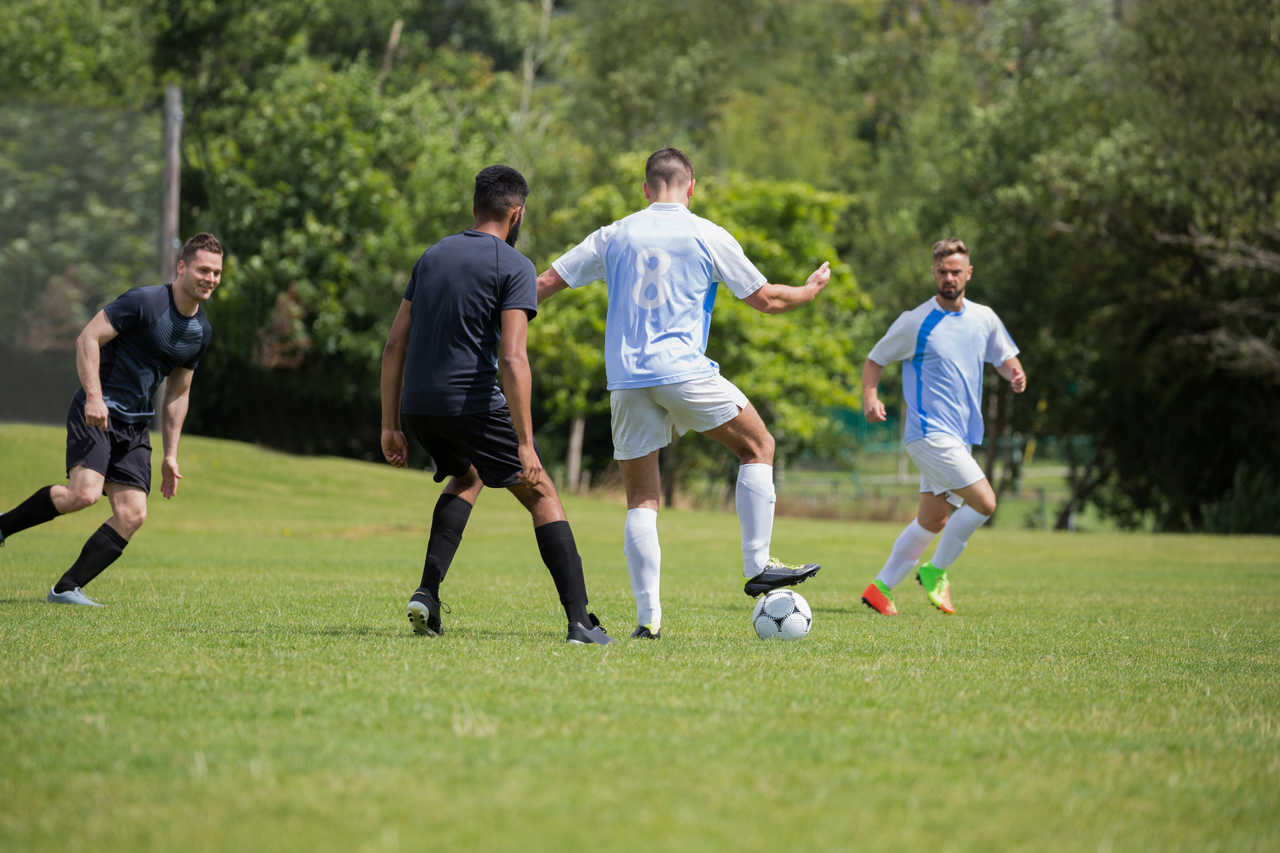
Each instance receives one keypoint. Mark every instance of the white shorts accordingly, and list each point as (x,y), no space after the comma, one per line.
(643,417)
(946,463)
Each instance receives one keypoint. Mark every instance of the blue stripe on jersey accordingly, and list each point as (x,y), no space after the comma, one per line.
(707,305)
(917,362)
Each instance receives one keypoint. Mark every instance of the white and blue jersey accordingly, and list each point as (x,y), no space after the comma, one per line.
(942,379)
(662,265)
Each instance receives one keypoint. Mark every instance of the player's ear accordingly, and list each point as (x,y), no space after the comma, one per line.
(645,185)
(689,192)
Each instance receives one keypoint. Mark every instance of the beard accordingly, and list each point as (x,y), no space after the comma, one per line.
(951,292)
(514,233)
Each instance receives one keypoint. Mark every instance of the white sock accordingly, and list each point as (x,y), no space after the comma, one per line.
(907,549)
(755,497)
(960,526)
(644,564)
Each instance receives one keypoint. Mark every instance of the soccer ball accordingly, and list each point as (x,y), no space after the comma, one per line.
(782,613)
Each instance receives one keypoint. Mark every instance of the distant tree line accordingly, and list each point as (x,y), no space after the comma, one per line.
(1113,164)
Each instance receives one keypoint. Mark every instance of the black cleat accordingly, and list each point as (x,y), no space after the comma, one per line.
(643,633)
(777,574)
(580,635)
(424,613)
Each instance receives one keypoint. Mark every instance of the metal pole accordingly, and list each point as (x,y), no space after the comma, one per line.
(172,180)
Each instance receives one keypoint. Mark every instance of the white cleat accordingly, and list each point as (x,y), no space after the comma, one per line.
(72,596)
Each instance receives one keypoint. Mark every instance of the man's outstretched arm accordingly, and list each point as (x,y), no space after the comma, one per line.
(550,283)
(777,298)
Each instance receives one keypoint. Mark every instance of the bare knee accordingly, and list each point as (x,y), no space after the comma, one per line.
(931,522)
(932,514)
(757,448)
(75,500)
(542,501)
(984,505)
(130,518)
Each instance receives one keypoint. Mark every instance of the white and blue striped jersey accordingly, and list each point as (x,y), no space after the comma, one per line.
(661,265)
(942,379)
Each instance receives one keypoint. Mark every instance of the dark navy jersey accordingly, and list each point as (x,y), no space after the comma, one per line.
(152,338)
(459,289)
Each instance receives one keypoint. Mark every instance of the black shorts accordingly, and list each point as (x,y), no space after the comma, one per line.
(456,442)
(122,453)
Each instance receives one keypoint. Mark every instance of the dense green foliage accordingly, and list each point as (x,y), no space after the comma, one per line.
(1113,165)
(252,683)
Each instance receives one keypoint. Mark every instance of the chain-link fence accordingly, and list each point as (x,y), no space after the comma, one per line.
(80,223)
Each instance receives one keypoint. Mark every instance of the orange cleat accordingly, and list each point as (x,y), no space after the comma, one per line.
(878,597)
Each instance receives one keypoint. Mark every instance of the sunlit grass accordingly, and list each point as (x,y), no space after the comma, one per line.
(252,684)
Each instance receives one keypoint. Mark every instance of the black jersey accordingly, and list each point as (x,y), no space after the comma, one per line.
(152,338)
(459,289)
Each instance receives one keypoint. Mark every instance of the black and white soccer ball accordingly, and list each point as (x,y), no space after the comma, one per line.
(782,614)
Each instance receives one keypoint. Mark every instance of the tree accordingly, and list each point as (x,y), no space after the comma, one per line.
(326,192)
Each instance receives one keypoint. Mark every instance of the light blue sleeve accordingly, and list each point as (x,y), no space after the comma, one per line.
(1000,347)
(584,263)
(899,342)
(731,263)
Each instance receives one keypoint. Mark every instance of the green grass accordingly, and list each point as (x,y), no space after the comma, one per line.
(253,684)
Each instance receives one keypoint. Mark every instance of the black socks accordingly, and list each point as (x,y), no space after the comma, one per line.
(560,553)
(447,523)
(36,509)
(100,551)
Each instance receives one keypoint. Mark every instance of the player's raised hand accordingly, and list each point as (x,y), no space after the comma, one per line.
(169,477)
(818,278)
(395,449)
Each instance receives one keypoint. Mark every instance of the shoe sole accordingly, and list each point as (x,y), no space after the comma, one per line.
(418,616)
(756,592)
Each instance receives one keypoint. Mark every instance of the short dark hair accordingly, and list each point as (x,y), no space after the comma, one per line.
(498,189)
(202,242)
(947,248)
(667,166)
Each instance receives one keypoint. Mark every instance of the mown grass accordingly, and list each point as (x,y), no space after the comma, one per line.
(253,684)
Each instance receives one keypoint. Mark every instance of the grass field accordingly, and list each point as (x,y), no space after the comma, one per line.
(252,684)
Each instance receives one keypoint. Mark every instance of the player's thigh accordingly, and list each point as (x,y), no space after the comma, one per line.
(88,450)
(85,486)
(935,509)
(980,496)
(438,436)
(639,424)
(703,405)
(747,436)
(494,449)
(130,463)
(642,478)
(945,463)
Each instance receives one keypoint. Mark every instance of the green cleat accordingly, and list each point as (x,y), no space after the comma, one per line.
(936,586)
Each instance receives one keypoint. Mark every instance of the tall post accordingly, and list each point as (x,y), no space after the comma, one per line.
(172,180)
